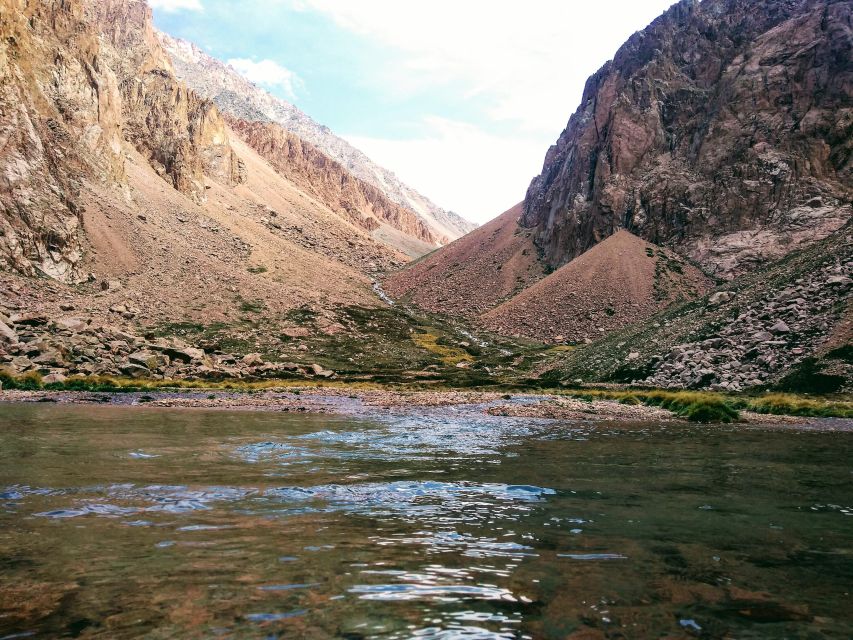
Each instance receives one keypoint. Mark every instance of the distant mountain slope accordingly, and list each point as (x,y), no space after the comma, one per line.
(619,281)
(238,97)
(724,129)
(316,173)
(474,273)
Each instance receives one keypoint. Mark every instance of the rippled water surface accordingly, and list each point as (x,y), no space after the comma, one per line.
(124,523)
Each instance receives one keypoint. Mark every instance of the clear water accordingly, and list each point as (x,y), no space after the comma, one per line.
(126,523)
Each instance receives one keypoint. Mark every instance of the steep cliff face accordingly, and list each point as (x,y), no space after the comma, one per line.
(60,121)
(724,130)
(239,98)
(181,134)
(304,165)
(78,78)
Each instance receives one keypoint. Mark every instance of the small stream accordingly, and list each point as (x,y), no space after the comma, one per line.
(120,522)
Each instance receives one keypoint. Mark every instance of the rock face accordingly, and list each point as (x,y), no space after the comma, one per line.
(77,79)
(181,134)
(60,120)
(724,130)
(239,98)
(303,164)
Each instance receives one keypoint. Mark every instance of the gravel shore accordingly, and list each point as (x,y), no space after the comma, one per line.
(366,402)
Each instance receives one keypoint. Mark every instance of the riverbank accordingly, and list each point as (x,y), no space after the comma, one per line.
(596,406)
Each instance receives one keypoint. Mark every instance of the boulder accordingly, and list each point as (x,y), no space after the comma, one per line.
(780,327)
(839,281)
(28,319)
(148,359)
(72,324)
(7,334)
(720,297)
(253,359)
(136,371)
(321,372)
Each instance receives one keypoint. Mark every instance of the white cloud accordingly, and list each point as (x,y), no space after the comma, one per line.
(528,61)
(173,6)
(461,167)
(268,73)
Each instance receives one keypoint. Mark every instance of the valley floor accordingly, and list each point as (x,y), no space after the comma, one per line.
(347,400)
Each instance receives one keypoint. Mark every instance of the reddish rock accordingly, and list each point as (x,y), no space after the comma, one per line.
(722,130)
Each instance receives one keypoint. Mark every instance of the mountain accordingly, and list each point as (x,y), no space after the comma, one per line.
(714,147)
(315,172)
(474,273)
(621,280)
(238,97)
(119,179)
(723,130)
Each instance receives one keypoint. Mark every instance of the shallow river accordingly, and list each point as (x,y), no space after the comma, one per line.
(124,523)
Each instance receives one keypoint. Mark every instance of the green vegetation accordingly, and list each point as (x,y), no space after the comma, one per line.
(252,306)
(707,406)
(690,405)
(258,269)
(695,406)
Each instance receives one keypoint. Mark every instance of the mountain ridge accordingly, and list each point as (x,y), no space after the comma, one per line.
(239,97)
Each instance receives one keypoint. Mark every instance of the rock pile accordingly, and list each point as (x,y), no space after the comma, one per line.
(767,337)
(58,348)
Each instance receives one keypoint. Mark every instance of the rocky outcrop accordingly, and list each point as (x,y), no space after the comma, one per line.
(723,130)
(58,348)
(236,96)
(60,122)
(181,133)
(77,79)
(300,162)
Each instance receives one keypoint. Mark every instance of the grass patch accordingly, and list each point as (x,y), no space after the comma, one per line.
(708,406)
(690,405)
(252,306)
(431,342)
(788,404)
(30,381)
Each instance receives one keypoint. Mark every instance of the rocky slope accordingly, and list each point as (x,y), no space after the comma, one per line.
(117,179)
(239,98)
(315,172)
(472,274)
(181,134)
(619,281)
(788,325)
(723,130)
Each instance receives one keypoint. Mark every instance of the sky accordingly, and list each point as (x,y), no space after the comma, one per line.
(460,98)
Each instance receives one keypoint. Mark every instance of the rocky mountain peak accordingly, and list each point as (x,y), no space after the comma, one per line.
(722,130)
